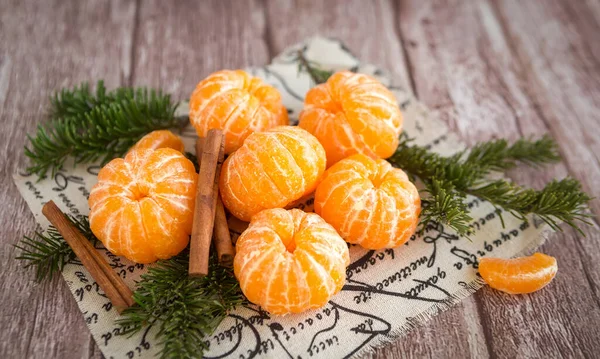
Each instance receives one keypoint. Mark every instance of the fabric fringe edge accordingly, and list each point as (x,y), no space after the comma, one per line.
(383,341)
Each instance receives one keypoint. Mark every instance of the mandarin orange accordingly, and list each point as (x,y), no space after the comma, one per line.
(518,275)
(142,206)
(289,261)
(159,139)
(352,113)
(237,103)
(272,169)
(368,202)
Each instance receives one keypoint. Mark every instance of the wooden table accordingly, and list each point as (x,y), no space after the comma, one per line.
(487,68)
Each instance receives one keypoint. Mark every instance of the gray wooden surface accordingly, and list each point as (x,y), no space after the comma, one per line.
(487,68)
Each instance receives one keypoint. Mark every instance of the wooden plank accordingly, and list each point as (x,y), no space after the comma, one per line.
(45,46)
(479,91)
(178,44)
(557,44)
(371,32)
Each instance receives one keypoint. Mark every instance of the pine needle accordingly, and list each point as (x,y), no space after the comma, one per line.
(186,309)
(444,204)
(449,179)
(560,201)
(96,126)
(48,252)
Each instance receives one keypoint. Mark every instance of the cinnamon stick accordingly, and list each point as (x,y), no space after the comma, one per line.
(125,292)
(206,197)
(96,265)
(222,237)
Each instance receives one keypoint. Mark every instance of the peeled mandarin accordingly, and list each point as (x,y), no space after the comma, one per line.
(289,261)
(237,103)
(142,206)
(368,202)
(352,113)
(272,169)
(159,139)
(518,275)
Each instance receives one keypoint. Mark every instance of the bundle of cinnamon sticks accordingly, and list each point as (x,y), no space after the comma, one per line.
(210,221)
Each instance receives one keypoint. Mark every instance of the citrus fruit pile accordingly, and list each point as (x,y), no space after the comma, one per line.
(287,261)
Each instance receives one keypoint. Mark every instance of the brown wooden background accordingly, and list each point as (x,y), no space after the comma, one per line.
(487,68)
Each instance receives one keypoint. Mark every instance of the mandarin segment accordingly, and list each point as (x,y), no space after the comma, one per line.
(289,261)
(518,275)
(352,113)
(271,170)
(237,103)
(142,205)
(368,202)
(159,139)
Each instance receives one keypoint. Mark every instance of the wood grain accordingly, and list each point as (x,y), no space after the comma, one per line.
(560,57)
(367,28)
(43,47)
(180,43)
(480,93)
(487,68)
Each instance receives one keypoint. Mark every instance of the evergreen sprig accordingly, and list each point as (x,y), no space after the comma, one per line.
(98,125)
(48,252)
(186,309)
(449,179)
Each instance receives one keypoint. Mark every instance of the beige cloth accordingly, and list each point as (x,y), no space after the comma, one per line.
(387,292)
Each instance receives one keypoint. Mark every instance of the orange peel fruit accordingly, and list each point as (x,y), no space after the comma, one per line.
(238,103)
(289,261)
(352,113)
(368,202)
(142,206)
(518,275)
(272,169)
(159,139)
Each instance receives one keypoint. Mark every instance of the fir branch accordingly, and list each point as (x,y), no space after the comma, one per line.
(449,179)
(444,204)
(48,252)
(497,155)
(97,126)
(186,309)
(80,99)
(559,201)
(317,74)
